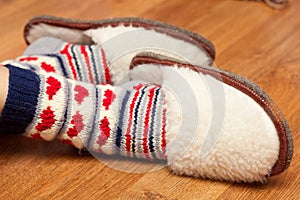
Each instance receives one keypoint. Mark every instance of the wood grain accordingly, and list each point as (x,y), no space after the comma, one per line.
(251,39)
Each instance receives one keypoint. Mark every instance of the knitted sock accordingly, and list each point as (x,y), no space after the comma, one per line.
(85,63)
(129,119)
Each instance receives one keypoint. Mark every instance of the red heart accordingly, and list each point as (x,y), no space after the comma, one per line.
(47,67)
(77,120)
(105,131)
(81,93)
(109,98)
(53,88)
(48,120)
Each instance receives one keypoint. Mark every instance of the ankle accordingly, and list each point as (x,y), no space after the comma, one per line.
(4,74)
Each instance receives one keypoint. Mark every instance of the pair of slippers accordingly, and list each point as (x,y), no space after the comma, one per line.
(222,126)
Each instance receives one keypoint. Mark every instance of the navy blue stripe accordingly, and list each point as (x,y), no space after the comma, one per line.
(94,66)
(135,121)
(67,103)
(62,64)
(21,102)
(76,62)
(92,134)
(151,130)
(120,122)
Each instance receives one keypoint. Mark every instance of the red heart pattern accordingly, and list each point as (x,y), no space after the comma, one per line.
(109,98)
(53,88)
(77,120)
(81,93)
(47,67)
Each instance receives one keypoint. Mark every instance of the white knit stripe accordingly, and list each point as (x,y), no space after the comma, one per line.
(159,127)
(75,61)
(154,122)
(143,126)
(68,62)
(140,124)
(136,101)
(84,65)
(80,114)
(79,61)
(125,120)
(113,115)
(93,137)
(109,147)
(50,110)
(157,120)
(91,65)
(18,64)
(148,127)
(67,67)
(38,63)
(98,64)
(132,103)
(109,113)
(93,145)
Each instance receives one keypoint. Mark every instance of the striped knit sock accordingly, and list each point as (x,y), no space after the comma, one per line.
(86,63)
(127,120)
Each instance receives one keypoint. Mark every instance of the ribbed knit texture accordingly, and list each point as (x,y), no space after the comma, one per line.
(127,120)
(21,101)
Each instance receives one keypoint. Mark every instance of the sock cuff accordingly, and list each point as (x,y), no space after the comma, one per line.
(21,101)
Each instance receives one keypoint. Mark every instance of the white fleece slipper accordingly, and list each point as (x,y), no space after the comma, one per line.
(219,125)
(123,38)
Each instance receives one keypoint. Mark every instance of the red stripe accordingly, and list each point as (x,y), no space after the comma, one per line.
(127,135)
(69,57)
(86,57)
(146,122)
(106,68)
(28,59)
(163,133)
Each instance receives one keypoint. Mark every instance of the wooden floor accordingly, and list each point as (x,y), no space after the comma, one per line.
(251,39)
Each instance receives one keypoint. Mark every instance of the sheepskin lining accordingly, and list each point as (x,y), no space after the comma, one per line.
(120,48)
(83,25)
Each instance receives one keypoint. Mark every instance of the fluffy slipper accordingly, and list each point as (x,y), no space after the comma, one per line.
(219,125)
(122,38)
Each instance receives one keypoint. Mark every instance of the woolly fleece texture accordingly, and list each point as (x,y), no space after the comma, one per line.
(244,149)
(122,43)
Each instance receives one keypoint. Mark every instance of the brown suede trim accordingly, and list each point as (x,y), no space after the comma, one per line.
(252,90)
(172,31)
(278,4)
